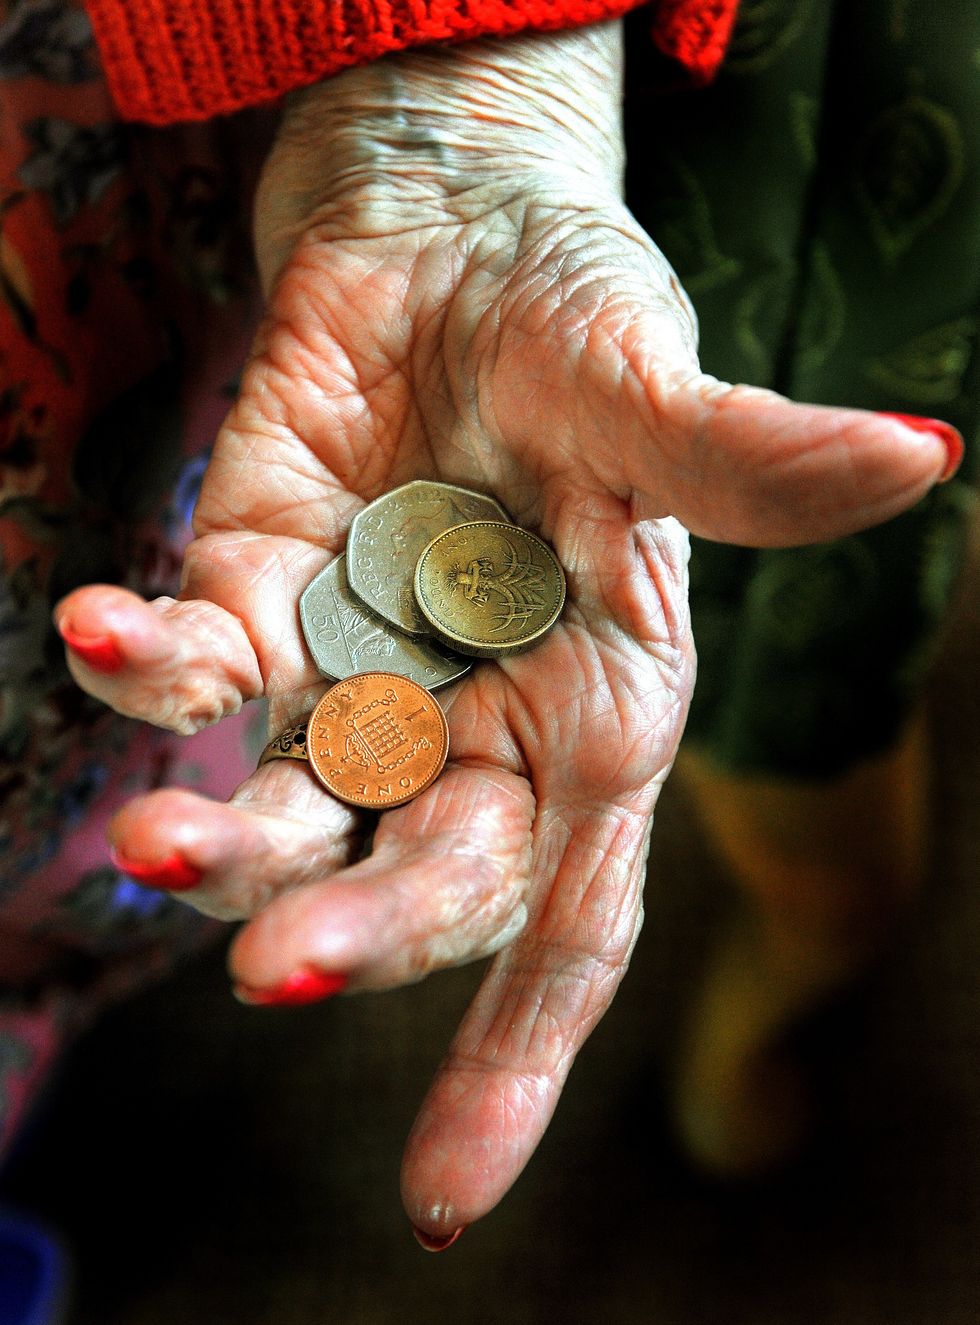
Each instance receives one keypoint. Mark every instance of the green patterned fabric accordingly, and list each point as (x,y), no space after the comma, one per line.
(821,204)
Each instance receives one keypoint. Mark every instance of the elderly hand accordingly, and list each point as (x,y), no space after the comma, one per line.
(455,290)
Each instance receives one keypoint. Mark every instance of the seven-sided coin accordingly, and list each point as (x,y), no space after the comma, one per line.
(345,637)
(388,536)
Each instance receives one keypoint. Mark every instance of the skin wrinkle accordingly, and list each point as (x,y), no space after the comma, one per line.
(538,1035)
(513,925)
(664,641)
(325,371)
(199,842)
(613,331)
(459,941)
(479,906)
(464,918)
(571,1004)
(646,738)
(322,515)
(432,353)
(477,809)
(354,125)
(207,547)
(795,457)
(240,665)
(517,1034)
(442,130)
(618,820)
(212,549)
(533,1085)
(577,710)
(293,480)
(334,375)
(668,582)
(599,936)
(638,592)
(660,710)
(508,788)
(279,821)
(530,337)
(259,441)
(600,709)
(263,651)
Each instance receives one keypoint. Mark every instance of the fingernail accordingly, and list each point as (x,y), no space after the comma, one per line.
(946,433)
(431,1243)
(175,874)
(100,652)
(307,986)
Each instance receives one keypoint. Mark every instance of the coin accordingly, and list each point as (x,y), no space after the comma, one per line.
(489,588)
(377,740)
(387,537)
(345,637)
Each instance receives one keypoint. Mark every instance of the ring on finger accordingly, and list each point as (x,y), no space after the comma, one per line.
(289,744)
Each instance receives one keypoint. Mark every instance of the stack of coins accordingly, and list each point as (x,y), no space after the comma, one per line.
(432,576)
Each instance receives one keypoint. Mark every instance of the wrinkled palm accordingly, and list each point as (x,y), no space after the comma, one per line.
(514,333)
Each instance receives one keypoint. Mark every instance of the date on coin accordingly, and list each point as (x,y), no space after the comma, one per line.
(488,588)
(377,740)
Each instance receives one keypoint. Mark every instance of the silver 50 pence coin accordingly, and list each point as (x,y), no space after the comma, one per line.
(388,537)
(345,638)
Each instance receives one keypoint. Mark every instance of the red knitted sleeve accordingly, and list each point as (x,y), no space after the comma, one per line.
(695,33)
(169,60)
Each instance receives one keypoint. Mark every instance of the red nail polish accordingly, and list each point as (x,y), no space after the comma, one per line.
(174,875)
(432,1243)
(100,652)
(946,433)
(305,986)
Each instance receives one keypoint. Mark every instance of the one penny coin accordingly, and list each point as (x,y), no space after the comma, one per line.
(489,588)
(377,740)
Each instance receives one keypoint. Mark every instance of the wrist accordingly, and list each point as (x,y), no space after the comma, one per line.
(452,129)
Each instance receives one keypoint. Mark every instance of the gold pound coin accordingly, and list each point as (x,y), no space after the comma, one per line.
(377,740)
(489,588)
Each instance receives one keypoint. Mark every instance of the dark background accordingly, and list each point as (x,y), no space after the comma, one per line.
(209,1163)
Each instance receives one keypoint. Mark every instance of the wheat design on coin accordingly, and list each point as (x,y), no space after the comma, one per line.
(489,588)
(377,740)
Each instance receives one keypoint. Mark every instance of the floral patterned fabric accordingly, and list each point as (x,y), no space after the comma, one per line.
(126,297)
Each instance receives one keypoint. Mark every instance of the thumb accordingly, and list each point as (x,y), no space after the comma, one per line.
(741,464)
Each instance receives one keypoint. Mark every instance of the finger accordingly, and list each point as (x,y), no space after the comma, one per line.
(229,860)
(184,663)
(494,1095)
(734,463)
(180,665)
(626,399)
(741,464)
(749,466)
(445,882)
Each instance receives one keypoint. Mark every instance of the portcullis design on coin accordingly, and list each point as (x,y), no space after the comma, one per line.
(345,637)
(377,740)
(388,536)
(489,589)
